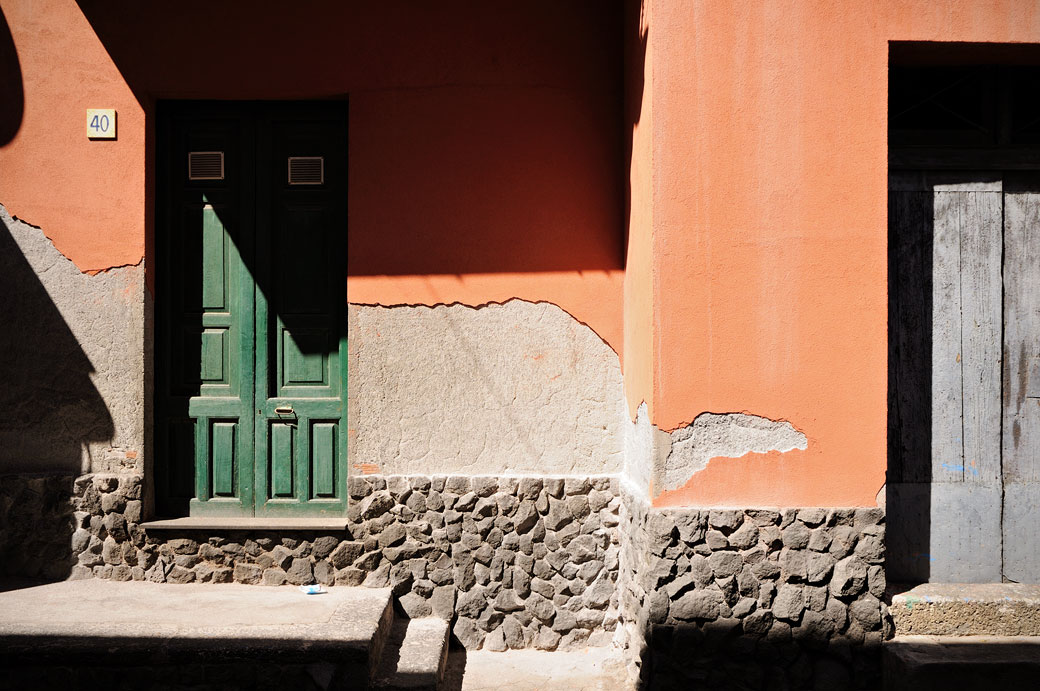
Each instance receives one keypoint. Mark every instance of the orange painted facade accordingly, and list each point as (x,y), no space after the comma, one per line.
(702,183)
(483,160)
(770,228)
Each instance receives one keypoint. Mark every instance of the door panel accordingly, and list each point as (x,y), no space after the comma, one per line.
(300,310)
(945,291)
(1022,378)
(323,459)
(204,329)
(251,320)
(283,436)
(223,458)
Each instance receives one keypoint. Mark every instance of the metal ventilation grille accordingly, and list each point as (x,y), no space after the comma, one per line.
(306,170)
(206,165)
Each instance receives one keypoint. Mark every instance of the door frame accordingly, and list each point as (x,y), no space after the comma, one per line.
(164,464)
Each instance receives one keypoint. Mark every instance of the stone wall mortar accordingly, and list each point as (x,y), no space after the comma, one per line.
(518,562)
(741,596)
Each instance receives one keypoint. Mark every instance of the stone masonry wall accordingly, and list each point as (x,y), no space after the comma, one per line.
(36,526)
(632,633)
(519,562)
(754,598)
(694,597)
(532,562)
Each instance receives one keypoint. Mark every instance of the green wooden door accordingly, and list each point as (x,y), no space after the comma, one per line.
(251,327)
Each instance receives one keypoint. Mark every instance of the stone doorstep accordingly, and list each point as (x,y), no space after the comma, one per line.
(966,609)
(415,655)
(103,622)
(920,663)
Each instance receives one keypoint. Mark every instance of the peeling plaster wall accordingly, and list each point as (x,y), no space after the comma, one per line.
(646,448)
(73,360)
(729,435)
(507,389)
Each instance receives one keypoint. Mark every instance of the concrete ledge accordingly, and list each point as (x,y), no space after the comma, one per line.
(920,663)
(104,623)
(967,609)
(415,655)
(322,524)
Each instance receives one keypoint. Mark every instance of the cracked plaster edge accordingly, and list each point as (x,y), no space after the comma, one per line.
(658,445)
(94,272)
(687,423)
(714,436)
(649,449)
(482,305)
(7,215)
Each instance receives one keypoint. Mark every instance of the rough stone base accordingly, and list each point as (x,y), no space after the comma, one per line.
(528,562)
(753,598)
(36,526)
(721,656)
(514,562)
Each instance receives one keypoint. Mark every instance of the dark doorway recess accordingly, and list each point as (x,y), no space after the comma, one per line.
(963,484)
(251,300)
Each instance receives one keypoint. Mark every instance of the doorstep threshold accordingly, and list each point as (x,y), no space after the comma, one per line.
(966,609)
(320,523)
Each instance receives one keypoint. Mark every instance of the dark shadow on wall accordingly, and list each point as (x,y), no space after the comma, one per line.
(51,410)
(635,39)
(720,656)
(909,474)
(484,139)
(12,94)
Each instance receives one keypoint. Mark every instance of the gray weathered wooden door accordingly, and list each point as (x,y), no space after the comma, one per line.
(964,384)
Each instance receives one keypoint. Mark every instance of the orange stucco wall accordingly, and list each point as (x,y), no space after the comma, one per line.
(485,141)
(639,260)
(769,217)
(718,214)
(87,196)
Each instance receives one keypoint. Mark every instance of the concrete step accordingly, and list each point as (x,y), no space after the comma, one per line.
(414,656)
(591,669)
(922,663)
(966,609)
(76,633)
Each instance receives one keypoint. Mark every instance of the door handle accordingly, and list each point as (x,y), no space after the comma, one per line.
(284,410)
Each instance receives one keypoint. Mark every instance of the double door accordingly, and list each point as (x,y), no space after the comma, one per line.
(251,309)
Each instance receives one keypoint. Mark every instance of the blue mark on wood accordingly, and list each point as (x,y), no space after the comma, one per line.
(959,468)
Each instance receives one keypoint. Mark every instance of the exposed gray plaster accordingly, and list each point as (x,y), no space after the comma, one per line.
(727,435)
(73,366)
(505,388)
(646,448)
